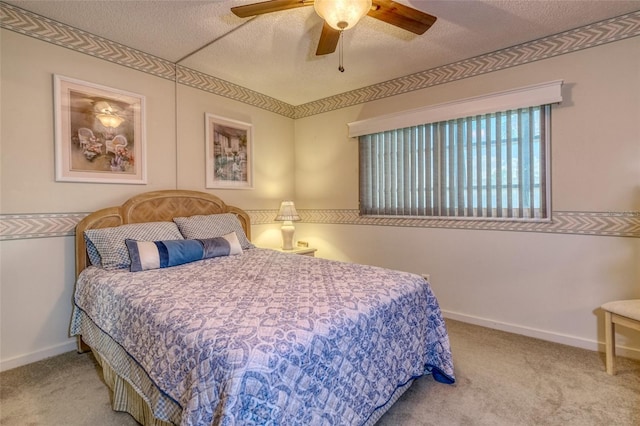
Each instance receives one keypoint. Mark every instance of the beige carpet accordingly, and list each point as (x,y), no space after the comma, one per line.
(502,379)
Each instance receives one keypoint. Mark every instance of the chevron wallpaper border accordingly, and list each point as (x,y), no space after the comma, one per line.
(30,24)
(611,224)
(25,226)
(618,224)
(262,217)
(207,83)
(608,31)
(625,224)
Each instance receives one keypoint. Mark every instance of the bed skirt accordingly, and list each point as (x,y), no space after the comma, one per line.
(133,391)
(125,398)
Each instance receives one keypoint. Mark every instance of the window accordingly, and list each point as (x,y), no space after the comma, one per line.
(488,165)
(491,165)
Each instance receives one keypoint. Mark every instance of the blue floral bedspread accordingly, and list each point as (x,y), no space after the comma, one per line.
(272,338)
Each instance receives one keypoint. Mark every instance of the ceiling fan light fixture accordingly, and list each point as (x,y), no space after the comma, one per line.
(342,14)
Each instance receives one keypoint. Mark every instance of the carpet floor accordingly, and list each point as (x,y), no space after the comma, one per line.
(502,379)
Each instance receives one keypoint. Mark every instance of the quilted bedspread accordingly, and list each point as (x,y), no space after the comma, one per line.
(272,338)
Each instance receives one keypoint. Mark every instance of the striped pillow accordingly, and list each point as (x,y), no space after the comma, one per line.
(147,255)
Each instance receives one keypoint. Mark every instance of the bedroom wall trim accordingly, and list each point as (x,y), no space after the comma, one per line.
(596,34)
(45,29)
(208,83)
(30,24)
(38,225)
(24,359)
(33,25)
(564,339)
(615,224)
(608,224)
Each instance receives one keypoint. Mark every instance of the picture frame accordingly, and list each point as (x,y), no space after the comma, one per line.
(99,133)
(229,153)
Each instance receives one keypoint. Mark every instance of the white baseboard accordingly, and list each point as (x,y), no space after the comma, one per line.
(20,360)
(634,353)
(549,336)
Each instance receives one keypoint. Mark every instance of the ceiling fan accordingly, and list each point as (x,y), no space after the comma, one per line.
(340,15)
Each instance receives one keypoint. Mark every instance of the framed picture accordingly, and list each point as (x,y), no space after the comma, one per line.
(99,133)
(229,153)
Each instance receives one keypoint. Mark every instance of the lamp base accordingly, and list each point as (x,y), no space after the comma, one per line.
(287,230)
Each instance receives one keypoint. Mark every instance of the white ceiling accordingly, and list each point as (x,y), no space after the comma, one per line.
(274,54)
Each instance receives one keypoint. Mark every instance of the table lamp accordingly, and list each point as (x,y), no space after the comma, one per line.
(287,215)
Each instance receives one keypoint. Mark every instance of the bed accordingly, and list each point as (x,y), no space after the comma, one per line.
(243,335)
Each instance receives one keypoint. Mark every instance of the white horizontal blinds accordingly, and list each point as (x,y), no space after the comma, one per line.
(483,166)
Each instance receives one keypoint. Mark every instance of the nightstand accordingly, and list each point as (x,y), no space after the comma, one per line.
(304,251)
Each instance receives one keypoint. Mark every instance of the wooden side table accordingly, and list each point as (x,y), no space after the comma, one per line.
(304,251)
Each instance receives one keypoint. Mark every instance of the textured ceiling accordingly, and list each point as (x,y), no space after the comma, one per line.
(274,54)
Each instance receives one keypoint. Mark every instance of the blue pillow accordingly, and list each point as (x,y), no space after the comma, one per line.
(147,255)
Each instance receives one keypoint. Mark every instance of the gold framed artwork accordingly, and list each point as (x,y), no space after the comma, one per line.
(229,153)
(99,133)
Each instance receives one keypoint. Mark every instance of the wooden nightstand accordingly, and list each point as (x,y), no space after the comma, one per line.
(304,251)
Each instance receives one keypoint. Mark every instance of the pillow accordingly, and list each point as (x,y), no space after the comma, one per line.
(212,226)
(109,243)
(92,252)
(147,255)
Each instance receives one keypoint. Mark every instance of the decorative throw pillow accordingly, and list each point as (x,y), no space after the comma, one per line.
(212,226)
(147,255)
(109,243)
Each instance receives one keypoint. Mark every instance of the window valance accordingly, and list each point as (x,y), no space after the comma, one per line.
(538,94)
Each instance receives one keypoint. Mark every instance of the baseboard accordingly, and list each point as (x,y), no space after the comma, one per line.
(19,361)
(565,339)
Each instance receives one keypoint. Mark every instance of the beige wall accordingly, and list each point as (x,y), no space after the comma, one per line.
(37,275)
(28,177)
(545,285)
(540,284)
(595,137)
(272,148)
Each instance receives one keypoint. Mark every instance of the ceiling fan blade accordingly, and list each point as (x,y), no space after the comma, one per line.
(268,7)
(401,16)
(328,40)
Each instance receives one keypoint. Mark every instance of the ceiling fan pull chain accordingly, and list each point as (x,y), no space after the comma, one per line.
(340,67)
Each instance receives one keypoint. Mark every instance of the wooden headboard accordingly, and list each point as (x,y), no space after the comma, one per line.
(156,206)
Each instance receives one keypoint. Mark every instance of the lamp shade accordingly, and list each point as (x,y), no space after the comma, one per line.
(287,212)
(342,14)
